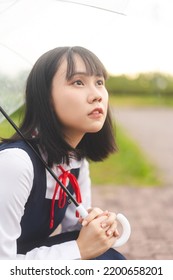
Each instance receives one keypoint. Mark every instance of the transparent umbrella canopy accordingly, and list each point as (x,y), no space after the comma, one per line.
(28,28)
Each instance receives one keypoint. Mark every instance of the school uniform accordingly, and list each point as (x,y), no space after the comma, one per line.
(28,216)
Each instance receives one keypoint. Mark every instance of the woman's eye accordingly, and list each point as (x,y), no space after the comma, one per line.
(78,83)
(100,82)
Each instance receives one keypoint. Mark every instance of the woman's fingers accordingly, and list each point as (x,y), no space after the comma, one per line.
(108,220)
(92,214)
(110,225)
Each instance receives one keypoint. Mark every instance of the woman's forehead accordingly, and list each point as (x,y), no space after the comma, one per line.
(79,68)
(77,63)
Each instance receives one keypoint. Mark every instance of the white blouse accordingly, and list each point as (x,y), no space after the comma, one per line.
(16,179)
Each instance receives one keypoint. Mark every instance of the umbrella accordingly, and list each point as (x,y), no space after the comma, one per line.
(25,36)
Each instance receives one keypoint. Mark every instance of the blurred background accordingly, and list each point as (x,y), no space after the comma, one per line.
(133,39)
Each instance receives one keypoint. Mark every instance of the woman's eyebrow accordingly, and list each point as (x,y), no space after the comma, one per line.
(84,74)
(79,73)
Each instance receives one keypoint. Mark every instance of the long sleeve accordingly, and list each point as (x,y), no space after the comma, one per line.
(16,179)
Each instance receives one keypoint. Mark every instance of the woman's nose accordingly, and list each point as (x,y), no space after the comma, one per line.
(95,96)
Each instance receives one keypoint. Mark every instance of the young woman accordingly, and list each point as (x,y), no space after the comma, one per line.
(67,120)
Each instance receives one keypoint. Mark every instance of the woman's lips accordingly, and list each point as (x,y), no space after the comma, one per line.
(97,112)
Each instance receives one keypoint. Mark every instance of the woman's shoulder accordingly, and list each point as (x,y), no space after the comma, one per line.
(14,156)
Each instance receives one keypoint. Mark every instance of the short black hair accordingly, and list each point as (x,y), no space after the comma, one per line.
(39,114)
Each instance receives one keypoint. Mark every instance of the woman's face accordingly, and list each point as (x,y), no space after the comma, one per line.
(80,103)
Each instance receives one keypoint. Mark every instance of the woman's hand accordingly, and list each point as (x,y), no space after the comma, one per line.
(98,233)
(109,223)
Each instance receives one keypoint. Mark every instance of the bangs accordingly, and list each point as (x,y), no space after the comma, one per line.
(94,66)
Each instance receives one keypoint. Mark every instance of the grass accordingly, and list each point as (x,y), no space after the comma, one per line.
(127,167)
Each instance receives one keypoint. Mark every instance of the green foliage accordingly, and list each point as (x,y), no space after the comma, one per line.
(151,84)
(140,101)
(128,167)
(12,91)
(6,130)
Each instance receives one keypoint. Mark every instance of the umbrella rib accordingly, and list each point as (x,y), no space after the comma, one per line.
(9,7)
(17,53)
(92,6)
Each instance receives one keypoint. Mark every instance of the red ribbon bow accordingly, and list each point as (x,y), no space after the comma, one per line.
(62,195)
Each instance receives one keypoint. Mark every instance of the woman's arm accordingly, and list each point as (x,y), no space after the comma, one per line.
(16,179)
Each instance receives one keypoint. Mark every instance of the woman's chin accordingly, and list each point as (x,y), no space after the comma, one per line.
(95,129)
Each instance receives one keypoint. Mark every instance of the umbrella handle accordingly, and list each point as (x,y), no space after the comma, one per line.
(126,229)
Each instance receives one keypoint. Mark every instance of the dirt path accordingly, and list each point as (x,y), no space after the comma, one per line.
(149,210)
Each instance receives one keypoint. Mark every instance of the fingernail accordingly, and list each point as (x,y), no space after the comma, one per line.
(109,232)
(103,225)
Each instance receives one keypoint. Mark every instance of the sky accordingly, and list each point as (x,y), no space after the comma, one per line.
(136,39)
